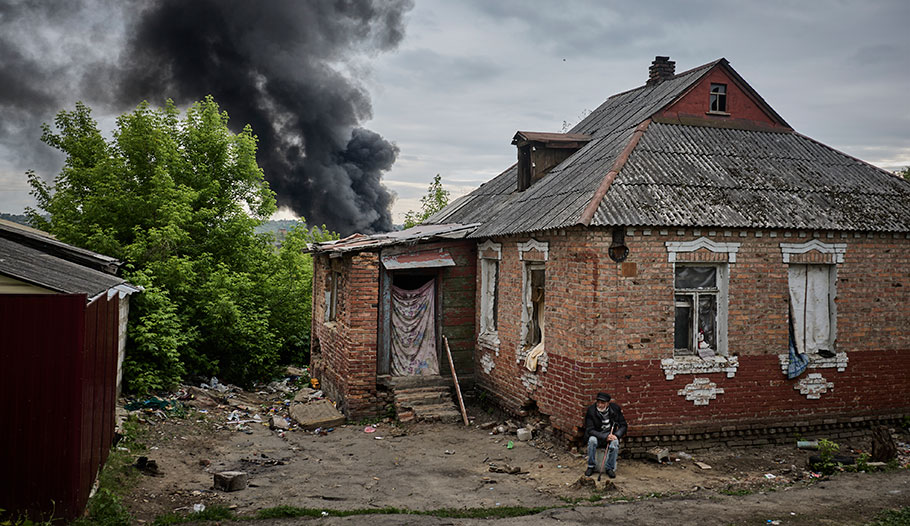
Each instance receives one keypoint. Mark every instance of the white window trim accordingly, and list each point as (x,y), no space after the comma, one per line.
(487,337)
(675,366)
(487,246)
(837,250)
(675,247)
(523,348)
(532,244)
(723,297)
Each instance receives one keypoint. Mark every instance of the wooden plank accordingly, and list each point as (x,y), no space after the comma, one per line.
(464,414)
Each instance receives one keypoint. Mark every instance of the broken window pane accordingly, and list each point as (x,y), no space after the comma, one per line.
(495,279)
(696,277)
(682,335)
(707,321)
(719,97)
(537,301)
(490,295)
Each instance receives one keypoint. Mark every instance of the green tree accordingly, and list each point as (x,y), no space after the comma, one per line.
(905,172)
(177,199)
(436,199)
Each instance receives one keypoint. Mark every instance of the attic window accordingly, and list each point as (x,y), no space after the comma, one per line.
(718,98)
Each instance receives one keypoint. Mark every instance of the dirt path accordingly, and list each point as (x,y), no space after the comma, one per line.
(434,466)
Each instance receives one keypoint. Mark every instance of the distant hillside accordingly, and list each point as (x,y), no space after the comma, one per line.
(22,219)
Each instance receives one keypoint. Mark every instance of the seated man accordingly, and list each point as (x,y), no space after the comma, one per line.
(604,426)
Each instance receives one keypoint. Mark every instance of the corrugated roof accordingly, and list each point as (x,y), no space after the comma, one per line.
(424,232)
(33,266)
(550,137)
(559,198)
(38,258)
(681,175)
(700,176)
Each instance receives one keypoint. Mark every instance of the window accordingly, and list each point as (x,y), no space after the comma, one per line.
(489,300)
(697,301)
(718,98)
(333,278)
(535,295)
(812,310)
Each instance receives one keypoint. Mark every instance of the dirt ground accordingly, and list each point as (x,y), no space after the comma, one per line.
(425,466)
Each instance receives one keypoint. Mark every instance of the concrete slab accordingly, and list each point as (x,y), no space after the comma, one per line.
(318,413)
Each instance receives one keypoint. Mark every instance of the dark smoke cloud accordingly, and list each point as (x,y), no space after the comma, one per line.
(284,67)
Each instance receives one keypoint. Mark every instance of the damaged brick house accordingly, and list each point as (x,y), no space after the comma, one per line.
(683,248)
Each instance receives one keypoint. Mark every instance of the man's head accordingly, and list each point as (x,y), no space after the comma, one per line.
(603,400)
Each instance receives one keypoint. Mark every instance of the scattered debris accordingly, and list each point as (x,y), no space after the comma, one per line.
(883,446)
(318,413)
(702,465)
(524,434)
(807,444)
(148,467)
(658,454)
(505,468)
(231,480)
(278,422)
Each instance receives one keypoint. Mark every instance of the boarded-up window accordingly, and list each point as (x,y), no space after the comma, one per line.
(489,301)
(812,311)
(696,291)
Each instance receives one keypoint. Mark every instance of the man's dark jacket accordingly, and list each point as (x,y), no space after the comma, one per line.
(594,422)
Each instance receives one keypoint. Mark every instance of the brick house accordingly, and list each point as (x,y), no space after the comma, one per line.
(679,248)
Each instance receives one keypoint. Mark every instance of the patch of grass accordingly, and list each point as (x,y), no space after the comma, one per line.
(20,520)
(736,492)
(118,474)
(898,517)
(211,513)
(595,497)
(287,512)
(105,509)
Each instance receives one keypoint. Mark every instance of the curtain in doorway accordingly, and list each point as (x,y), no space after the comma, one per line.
(413,331)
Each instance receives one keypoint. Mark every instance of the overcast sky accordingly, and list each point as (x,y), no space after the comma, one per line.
(468,74)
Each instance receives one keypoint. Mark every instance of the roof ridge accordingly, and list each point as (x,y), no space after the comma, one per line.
(676,76)
(857,159)
(588,213)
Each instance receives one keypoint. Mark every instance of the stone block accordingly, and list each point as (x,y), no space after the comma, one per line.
(231,480)
(318,413)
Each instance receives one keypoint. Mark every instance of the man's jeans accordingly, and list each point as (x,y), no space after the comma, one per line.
(612,451)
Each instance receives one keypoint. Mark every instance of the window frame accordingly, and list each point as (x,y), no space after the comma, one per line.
(489,306)
(831,271)
(721,294)
(528,305)
(331,295)
(718,97)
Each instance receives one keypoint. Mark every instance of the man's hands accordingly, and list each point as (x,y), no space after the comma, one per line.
(611,437)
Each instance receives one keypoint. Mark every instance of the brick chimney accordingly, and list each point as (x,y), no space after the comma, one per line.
(661,69)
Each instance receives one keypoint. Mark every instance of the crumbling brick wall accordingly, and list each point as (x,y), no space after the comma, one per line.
(610,324)
(344,350)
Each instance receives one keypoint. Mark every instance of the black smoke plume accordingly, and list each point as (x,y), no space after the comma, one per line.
(283,66)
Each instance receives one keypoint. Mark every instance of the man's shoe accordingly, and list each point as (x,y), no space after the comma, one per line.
(589,471)
(611,473)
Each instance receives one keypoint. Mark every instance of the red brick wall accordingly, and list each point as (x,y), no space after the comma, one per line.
(458,306)
(739,105)
(344,351)
(344,356)
(607,331)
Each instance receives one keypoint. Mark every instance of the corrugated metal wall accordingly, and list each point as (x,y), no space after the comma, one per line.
(58,361)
